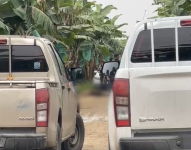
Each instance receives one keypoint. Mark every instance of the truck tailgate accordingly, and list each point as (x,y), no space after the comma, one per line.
(160,97)
(17,107)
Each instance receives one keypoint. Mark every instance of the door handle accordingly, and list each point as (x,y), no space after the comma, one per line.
(69,89)
(63,87)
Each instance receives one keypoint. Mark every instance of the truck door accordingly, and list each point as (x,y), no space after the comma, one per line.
(71,106)
(64,95)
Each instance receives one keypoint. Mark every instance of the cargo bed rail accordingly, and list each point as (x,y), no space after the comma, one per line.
(29,83)
(10,37)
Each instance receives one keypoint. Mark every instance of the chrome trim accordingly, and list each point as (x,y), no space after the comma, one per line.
(152,44)
(10,74)
(176,41)
(51,83)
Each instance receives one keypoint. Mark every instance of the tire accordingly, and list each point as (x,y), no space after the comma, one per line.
(76,142)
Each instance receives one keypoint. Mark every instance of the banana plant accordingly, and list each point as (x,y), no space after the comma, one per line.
(169,8)
(69,24)
(4,29)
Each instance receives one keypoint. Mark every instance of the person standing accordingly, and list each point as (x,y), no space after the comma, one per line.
(101,73)
(116,57)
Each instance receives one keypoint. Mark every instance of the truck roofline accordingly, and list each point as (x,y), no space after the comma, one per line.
(168,18)
(23,37)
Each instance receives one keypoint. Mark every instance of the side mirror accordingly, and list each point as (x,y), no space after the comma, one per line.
(77,74)
(110,68)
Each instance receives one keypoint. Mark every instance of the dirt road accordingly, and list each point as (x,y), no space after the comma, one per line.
(94,113)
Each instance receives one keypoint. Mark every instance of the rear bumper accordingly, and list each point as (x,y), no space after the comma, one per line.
(143,143)
(22,142)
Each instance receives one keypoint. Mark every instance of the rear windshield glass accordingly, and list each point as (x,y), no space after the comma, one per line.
(4,59)
(164,45)
(184,39)
(24,59)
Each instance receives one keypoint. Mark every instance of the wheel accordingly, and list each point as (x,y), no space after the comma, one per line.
(77,140)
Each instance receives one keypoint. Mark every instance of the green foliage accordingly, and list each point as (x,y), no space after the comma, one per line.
(72,25)
(104,50)
(4,29)
(168,8)
(38,17)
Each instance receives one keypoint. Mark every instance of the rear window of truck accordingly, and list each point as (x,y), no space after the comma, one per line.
(164,45)
(24,59)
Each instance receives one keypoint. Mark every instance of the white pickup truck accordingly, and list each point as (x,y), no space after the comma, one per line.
(150,103)
(39,107)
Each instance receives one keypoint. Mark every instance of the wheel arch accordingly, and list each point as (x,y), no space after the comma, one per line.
(60,117)
(78,108)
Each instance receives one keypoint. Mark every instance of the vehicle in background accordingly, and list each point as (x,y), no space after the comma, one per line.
(96,79)
(105,84)
(149,105)
(39,107)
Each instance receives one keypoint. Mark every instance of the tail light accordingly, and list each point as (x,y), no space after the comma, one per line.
(121,102)
(3,41)
(185,22)
(42,105)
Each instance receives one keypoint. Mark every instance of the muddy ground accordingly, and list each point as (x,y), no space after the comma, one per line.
(94,114)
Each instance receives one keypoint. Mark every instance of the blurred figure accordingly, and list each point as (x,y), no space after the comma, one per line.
(116,57)
(105,78)
(109,79)
(113,72)
(112,75)
(101,73)
(107,73)
(111,59)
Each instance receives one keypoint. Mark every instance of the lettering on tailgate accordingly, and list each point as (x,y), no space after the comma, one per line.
(144,119)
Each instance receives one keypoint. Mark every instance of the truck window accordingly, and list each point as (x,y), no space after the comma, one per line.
(59,61)
(4,59)
(142,48)
(25,58)
(164,45)
(61,64)
(55,59)
(184,40)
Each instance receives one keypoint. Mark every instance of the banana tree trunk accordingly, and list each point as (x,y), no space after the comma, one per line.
(87,70)
(100,59)
(91,69)
(76,61)
(94,63)
(73,57)
(70,58)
